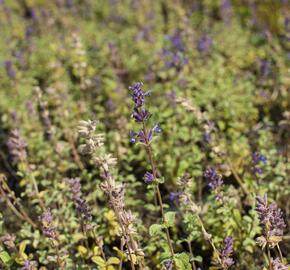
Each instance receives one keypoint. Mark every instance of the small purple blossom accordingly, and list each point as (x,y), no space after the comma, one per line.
(144,137)
(175,196)
(215,180)
(148,178)
(257,160)
(140,115)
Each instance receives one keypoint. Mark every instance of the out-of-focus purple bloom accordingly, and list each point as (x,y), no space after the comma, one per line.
(175,196)
(148,178)
(215,180)
(29,31)
(168,265)
(176,41)
(9,69)
(265,67)
(270,216)
(27,265)
(226,10)
(257,160)
(145,34)
(226,252)
(204,43)
(80,203)
(278,265)
(16,146)
(174,59)
(8,240)
(47,227)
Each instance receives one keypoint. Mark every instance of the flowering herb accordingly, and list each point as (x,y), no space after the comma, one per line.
(16,146)
(226,253)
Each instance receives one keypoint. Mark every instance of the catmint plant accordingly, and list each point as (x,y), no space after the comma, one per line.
(92,145)
(145,136)
(49,231)
(273,224)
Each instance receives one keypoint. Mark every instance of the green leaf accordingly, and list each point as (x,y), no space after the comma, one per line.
(197,259)
(155,229)
(5,257)
(98,261)
(113,260)
(182,261)
(170,218)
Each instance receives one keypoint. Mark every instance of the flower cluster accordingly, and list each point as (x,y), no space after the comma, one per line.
(226,252)
(8,240)
(144,137)
(204,43)
(278,265)
(140,114)
(271,219)
(47,227)
(16,146)
(9,69)
(174,55)
(257,160)
(86,130)
(215,179)
(82,208)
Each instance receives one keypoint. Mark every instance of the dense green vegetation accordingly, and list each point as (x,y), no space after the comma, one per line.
(95,174)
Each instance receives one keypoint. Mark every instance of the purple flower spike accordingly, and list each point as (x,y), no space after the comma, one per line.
(16,146)
(148,178)
(138,95)
(9,69)
(46,220)
(226,252)
(270,216)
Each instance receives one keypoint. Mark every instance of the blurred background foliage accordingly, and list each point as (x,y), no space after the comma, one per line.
(63,61)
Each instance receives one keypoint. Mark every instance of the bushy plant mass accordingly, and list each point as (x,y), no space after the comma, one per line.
(144,134)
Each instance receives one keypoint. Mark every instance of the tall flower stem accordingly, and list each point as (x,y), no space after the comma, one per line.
(269,258)
(19,213)
(191,254)
(159,197)
(34,183)
(124,234)
(111,199)
(205,233)
(280,253)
